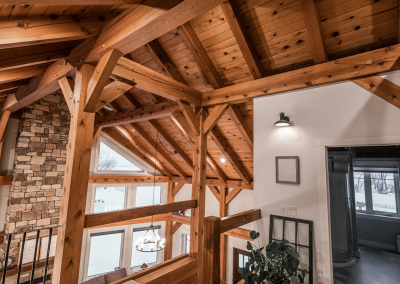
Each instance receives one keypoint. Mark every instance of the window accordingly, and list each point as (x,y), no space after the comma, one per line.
(185,243)
(377,192)
(138,258)
(110,160)
(105,252)
(240,257)
(144,195)
(109,199)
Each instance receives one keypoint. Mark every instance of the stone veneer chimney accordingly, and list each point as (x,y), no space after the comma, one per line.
(39,165)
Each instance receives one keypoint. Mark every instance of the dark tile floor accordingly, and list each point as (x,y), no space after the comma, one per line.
(373,267)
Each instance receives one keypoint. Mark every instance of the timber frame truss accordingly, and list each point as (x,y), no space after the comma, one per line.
(101,69)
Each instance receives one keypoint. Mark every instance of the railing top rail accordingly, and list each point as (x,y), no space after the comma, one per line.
(237,220)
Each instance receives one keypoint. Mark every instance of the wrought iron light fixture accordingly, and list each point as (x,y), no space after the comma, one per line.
(151,240)
(283,120)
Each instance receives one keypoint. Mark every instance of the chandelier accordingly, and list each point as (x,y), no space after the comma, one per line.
(151,240)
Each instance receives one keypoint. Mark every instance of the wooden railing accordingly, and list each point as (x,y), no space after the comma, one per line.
(118,217)
(213,228)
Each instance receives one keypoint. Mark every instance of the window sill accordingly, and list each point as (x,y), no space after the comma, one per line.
(378,217)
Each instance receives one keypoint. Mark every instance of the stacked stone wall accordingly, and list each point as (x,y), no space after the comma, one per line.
(39,165)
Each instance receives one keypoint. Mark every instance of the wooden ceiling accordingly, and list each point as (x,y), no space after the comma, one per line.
(236,42)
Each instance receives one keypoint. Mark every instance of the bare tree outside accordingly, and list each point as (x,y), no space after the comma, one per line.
(106,162)
(359,183)
(381,183)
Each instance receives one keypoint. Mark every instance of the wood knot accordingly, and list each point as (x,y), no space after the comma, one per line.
(381,63)
(22,25)
(102,18)
(335,34)
(79,212)
(53,16)
(371,85)
(309,84)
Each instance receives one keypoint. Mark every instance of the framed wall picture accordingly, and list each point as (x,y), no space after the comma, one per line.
(287,169)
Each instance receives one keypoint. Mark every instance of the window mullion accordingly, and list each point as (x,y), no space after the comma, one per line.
(368,192)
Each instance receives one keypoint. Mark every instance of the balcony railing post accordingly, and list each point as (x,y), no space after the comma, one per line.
(6,259)
(35,257)
(211,250)
(21,258)
(47,256)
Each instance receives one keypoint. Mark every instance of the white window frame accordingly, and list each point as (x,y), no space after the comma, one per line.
(116,147)
(127,245)
(184,233)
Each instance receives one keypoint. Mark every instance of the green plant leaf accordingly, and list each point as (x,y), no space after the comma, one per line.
(254,235)
(293,252)
(249,246)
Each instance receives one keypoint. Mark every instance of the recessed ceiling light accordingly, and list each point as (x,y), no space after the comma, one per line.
(107,108)
(223,160)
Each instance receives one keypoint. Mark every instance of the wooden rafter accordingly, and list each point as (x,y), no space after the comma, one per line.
(216,169)
(238,26)
(72,2)
(139,131)
(314,32)
(7,76)
(151,81)
(190,116)
(193,43)
(161,58)
(238,119)
(177,188)
(213,118)
(13,85)
(27,31)
(229,154)
(365,64)
(128,32)
(113,91)
(100,78)
(138,150)
(383,88)
(177,225)
(96,132)
(3,123)
(39,86)
(33,55)
(141,114)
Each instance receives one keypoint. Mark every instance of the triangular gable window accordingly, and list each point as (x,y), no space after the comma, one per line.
(110,160)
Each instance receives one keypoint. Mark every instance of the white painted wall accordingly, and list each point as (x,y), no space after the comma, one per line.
(337,111)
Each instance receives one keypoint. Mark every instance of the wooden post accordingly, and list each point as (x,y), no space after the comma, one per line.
(199,194)
(223,212)
(72,216)
(211,250)
(169,226)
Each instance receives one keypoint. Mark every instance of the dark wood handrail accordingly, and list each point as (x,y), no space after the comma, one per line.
(94,220)
(28,267)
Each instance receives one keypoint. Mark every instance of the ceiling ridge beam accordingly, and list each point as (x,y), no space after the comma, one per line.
(314,31)
(238,26)
(194,44)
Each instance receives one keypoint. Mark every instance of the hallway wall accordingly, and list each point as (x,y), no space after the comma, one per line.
(338,111)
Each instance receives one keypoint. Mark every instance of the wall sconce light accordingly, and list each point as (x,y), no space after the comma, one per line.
(283,120)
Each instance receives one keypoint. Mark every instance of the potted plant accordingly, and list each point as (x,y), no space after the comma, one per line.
(277,263)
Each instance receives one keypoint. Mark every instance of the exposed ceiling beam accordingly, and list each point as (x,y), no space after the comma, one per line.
(142,24)
(27,31)
(161,58)
(33,55)
(231,195)
(360,65)
(3,123)
(72,2)
(182,124)
(238,26)
(139,131)
(156,83)
(213,118)
(67,88)
(194,44)
(383,88)
(39,86)
(230,155)
(190,116)
(139,114)
(113,91)
(215,191)
(100,78)
(238,119)
(23,72)
(13,84)
(129,142)
(314,32)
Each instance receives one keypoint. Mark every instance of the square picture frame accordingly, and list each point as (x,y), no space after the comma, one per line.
(287,169)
